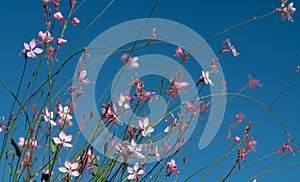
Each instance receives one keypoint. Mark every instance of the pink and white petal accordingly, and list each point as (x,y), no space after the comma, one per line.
(74,165)
(82,74)
(168,128)
(150,130)
(67,145)
(130,169)
(63,169)
(32,43)
(68,164)
(136,167)
(141,124)
(68,138)
(62,135)
(52,123)
(75,173)
(26,46)
(38,50)
(56,140)
(141,171)
(131,176)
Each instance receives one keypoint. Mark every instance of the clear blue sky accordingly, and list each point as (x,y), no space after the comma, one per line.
(269,50)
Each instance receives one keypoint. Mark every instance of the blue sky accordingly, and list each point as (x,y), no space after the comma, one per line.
(269,50)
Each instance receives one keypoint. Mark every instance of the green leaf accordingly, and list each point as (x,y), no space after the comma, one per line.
(52,146)
(18,152)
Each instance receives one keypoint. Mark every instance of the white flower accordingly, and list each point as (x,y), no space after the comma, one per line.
(144,126)
(62,139)
(48,116)
(134,172)
(135,149)
(70,168)
(30,51)
(206,78)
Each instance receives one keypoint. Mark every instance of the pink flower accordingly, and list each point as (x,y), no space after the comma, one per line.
(131,62)
(32,142)
(189,106)
(250,144)
(62,140)
(70,169)
(64,114)
(135,172)
(144,127)
(286,146)
(171,168)
(184,55)
(61,41)
(287,12)
(173,122)
(253,83)
(241,156)
(30,49)
(58,17)
(230,48)
(214,68)
(75,21)
(48,116)
(109,113)
(135,149)
(51,52)
(21,142)
(239,118)
(46,37)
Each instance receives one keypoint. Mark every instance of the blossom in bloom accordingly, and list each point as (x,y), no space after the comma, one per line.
(51,53)
(206,79)
(30,49)
(61,41)
(135,172)
(144,127)
(287,12)
(122,101)
(32,142)
(230,48)
(45,37)
(250,144)
(135,149)
(239,118)
(48,116)
(131,62)
(109,113)
(177,86)
(75,21)
(58,17)
(253,83)
(70,168)
(285,147)
(171,168)
(62,140)
(184,55)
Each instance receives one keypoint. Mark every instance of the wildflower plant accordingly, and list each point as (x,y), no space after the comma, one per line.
(144,101)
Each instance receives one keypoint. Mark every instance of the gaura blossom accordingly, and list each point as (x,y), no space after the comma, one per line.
(253,83)
(62,140)
(172,121)
(287,12)
(213,67)
(250,144)
(205,78)
(135,172)
(45,37)
(32,142)
(230,48)
(171,168)
(135,150)
(285,147)
(64,114)
(236,139)
(239,118)
(48,116)
(131,62)
(144,127)
(58,17)
(30,49)
(61,41)
(241,156)
(70,169)
(184,55)
(75,21)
